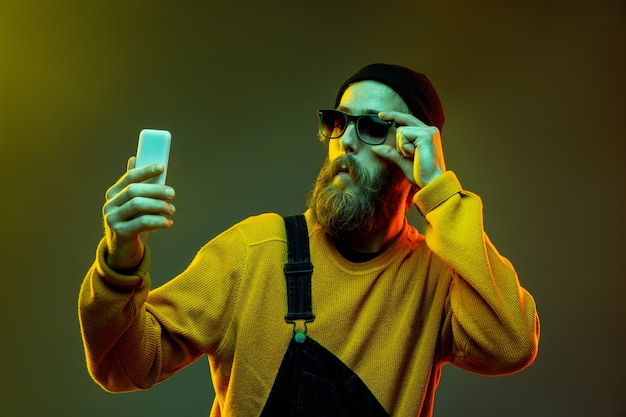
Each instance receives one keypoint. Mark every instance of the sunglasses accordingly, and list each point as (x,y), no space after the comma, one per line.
(370,128)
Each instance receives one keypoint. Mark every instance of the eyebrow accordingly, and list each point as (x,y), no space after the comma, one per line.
(368,111)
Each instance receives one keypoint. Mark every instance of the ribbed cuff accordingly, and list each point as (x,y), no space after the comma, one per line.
(438,191)
(128,280)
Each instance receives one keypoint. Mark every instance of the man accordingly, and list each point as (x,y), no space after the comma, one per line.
(386,307)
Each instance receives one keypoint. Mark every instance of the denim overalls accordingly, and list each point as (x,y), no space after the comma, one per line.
(311,381)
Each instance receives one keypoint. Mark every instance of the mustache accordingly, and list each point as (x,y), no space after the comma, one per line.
(358,173)
(346,163)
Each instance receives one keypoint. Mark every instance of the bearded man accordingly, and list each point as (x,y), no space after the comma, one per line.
(360,321)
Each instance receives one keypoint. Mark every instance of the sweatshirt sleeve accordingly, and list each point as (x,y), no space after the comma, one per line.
(135,338)
(491,325)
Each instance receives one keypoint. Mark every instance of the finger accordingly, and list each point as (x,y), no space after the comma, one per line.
(132,161)
(148,194)
(134,175)
(392,155)
(403,119)
(145,223)
(404,144)
(117,216)
(144,173)
(140,205)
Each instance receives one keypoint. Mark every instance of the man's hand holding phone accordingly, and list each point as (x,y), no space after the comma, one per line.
(139,202)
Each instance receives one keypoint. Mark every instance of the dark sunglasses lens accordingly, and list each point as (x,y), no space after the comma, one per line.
(332,124)
(373,129)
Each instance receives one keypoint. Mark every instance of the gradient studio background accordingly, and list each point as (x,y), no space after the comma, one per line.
(534,97)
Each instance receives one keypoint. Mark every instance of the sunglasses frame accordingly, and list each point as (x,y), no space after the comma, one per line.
(351,118)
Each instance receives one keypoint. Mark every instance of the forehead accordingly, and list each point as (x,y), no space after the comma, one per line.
(371,97)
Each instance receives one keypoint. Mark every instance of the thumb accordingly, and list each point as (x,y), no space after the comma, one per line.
(131,163)
(391,154)
(387,152)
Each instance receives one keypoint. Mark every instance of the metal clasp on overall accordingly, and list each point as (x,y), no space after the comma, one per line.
(298,276)
(299,336)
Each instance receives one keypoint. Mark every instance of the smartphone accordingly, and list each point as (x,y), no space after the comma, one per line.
(154,148)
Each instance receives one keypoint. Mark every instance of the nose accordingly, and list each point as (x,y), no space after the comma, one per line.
(349,141)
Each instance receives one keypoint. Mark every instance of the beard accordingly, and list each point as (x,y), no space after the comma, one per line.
(363,205)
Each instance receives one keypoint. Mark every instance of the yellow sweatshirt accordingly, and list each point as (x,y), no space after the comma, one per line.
(448,297)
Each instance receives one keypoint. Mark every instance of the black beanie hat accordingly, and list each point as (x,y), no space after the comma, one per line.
(414,88)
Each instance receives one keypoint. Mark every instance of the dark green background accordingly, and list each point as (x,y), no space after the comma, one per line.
(534,96)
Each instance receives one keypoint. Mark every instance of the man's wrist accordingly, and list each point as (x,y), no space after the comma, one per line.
(122,278)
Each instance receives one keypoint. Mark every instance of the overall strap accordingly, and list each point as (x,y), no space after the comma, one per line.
(298,271)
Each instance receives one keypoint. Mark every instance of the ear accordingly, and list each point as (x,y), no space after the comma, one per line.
(409,199)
